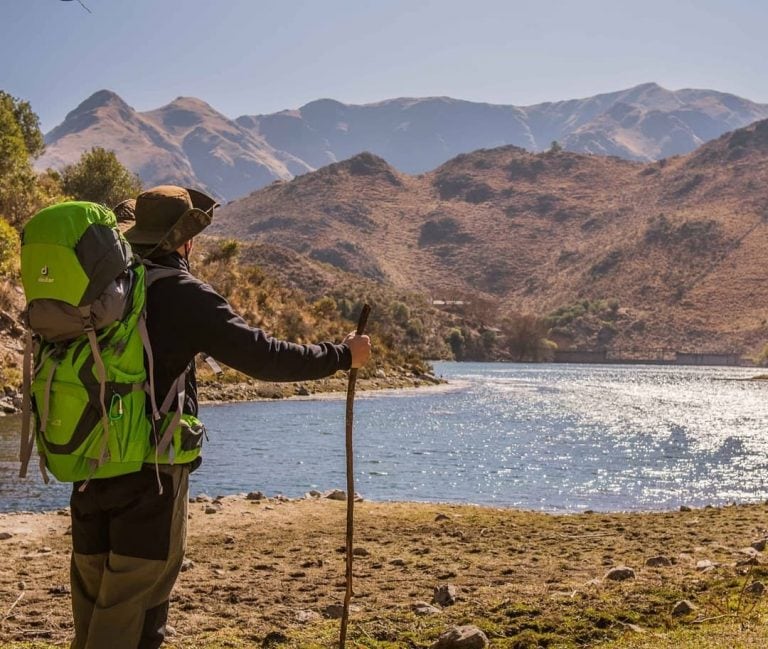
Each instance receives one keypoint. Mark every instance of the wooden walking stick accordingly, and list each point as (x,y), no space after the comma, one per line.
(351,482)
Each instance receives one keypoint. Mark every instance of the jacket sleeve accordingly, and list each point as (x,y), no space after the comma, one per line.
(220,332)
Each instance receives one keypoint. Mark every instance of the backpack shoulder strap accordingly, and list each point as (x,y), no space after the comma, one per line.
(156,272)
(177,391)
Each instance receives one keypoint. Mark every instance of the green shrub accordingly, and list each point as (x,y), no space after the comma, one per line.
(9,249)
(226,251)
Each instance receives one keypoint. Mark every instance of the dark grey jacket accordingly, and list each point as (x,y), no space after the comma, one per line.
(186,317)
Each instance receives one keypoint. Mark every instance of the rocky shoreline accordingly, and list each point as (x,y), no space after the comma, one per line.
(216,392)
(269,572)
(210,391)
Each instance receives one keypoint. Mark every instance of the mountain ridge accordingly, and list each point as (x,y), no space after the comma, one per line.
(231,157)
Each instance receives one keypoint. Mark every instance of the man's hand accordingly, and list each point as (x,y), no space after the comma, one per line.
(360,346)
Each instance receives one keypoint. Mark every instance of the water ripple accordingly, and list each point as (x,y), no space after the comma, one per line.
(551,437)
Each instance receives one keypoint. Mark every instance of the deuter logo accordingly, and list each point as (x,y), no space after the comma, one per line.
(44,279)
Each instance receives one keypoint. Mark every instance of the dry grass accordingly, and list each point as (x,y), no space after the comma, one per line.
(527,579)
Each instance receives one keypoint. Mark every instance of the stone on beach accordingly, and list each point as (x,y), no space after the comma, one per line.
(760,544)
(304,616)
(336,494)
(462,637)
(756,589)
(683,607)
(445,595)
(620,573)
(422,608)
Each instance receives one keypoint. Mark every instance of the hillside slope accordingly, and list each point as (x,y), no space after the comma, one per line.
(675,246)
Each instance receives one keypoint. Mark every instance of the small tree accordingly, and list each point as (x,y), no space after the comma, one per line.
(9,248)
(27,121)
(555,147)
(525,337)
(456,342)
(100,178)
(22,192)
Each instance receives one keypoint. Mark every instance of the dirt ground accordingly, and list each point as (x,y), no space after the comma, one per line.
(270,572)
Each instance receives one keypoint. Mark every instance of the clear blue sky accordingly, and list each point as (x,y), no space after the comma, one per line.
(260,56)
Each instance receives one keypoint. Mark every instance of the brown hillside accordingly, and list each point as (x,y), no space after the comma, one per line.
(675,246)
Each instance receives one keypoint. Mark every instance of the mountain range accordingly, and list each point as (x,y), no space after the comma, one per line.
(190,143)
(675,247)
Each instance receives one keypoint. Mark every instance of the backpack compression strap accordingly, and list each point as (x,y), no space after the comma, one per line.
(101,375)
(177,391)
(27,438)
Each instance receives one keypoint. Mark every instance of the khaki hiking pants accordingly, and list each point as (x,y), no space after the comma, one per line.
(128,543)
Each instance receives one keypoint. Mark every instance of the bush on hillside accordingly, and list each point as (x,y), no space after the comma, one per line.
(9,248)
(606,264)
(442,230)
(695,235)
(525,337)
(226,251)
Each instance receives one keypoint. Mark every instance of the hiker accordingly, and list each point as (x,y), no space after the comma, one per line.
(129,539)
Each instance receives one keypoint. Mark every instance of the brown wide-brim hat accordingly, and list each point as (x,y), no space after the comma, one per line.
(167,217)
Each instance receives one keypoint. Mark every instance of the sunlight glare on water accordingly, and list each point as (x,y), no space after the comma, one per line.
(549,437)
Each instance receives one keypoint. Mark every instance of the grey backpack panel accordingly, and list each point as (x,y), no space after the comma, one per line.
(57,321)
(103,255)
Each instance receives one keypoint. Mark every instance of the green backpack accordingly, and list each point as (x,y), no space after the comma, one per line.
(86,384)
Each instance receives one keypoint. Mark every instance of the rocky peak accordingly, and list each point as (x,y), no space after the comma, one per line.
(100,105)
(368,164)
(185,113)
(100,99)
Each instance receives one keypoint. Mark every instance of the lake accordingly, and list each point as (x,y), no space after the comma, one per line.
(552,437)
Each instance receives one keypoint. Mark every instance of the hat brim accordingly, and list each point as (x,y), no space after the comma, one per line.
(139,237)
(201,201)
(189,225)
